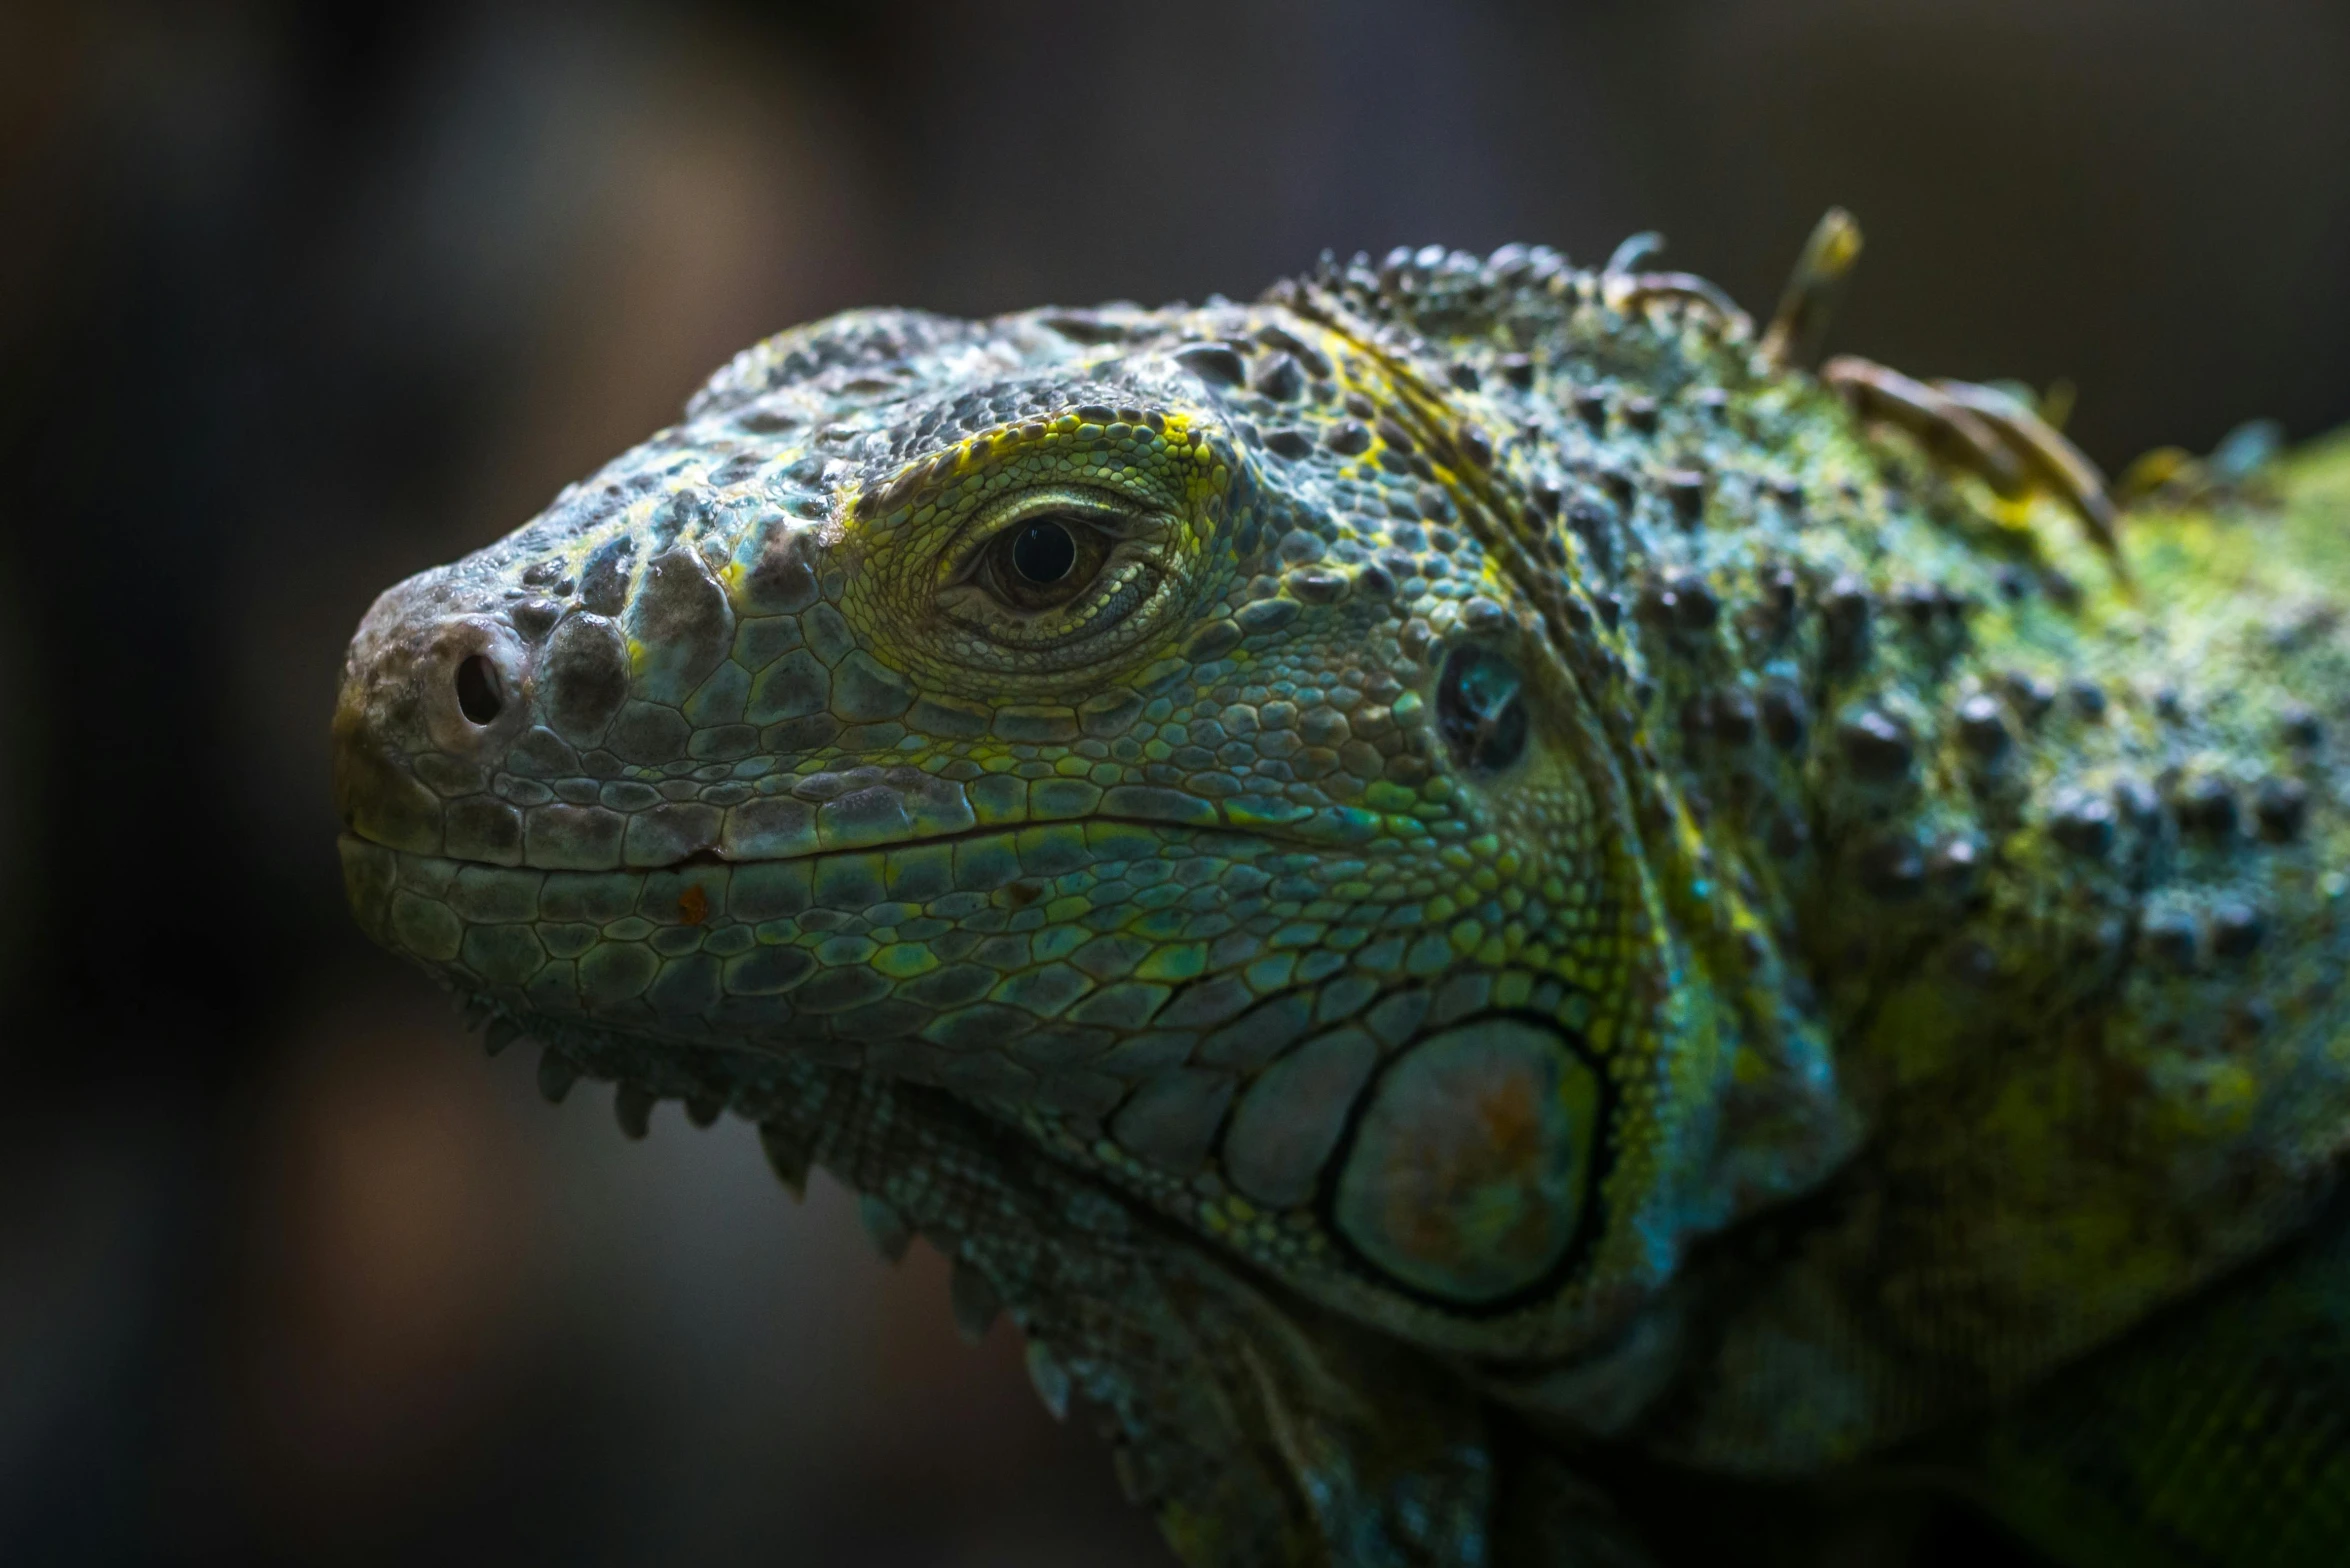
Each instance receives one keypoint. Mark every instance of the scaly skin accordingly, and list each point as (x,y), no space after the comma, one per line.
(1446,882)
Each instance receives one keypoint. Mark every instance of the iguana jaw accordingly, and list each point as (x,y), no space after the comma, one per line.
(716,950)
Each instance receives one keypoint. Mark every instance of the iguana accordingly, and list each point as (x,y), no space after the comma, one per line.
(1477,898)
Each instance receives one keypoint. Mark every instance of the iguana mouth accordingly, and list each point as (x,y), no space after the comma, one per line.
(715,856)
(499,923)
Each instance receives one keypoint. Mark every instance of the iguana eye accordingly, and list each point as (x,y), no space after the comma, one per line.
(1054,577)
(1054,567)
(1044,561)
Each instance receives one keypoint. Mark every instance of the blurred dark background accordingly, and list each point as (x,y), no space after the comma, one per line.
(297,300)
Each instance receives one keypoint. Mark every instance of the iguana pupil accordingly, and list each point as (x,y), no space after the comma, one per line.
(1044,552)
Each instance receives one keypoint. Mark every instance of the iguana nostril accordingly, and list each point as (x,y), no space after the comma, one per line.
(477,690)
(1044,552)
(1481,709)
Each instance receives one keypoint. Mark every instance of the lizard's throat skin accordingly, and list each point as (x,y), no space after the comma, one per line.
(1029,727)
(1506,815)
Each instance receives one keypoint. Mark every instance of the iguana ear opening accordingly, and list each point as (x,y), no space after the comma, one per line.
(1481,710)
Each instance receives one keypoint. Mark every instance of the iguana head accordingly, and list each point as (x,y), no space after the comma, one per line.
(1194,736)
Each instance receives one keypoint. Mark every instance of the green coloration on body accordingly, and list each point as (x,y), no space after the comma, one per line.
(1452,886)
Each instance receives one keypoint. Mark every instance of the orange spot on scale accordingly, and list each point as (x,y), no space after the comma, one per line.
(693,906)
(1467,1169)
(1513,1122)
